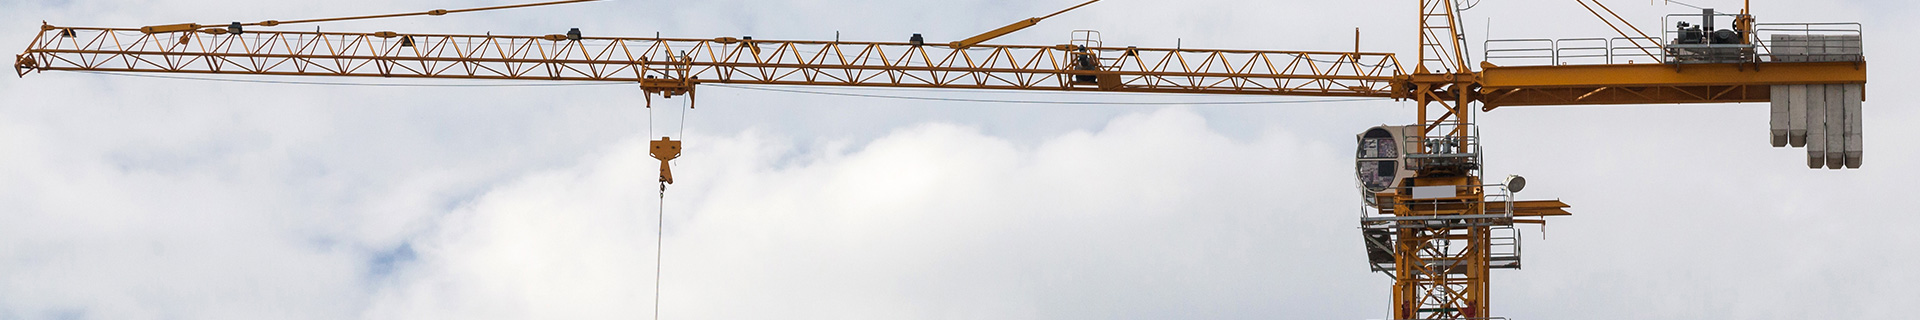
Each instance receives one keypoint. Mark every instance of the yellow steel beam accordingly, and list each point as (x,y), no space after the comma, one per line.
(1532,208)
(1668,75)
(1512,97)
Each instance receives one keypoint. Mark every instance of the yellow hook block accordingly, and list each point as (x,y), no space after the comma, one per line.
(666,150)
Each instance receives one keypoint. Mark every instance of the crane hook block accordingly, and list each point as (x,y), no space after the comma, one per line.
(665,150)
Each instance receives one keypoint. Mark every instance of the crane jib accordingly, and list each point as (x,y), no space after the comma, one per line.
(718,60)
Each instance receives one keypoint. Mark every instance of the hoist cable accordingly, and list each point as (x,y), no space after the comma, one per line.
(659,242)
(685,105)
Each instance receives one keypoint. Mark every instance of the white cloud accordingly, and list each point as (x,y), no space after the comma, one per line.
(1155,215)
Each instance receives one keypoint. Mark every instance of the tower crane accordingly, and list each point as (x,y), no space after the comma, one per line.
(1431,220)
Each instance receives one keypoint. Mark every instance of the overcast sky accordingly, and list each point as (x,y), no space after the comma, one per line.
(140,198)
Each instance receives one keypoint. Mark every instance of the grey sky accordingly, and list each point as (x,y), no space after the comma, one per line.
(137,198)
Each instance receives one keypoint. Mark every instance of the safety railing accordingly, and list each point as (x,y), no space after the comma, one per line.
(1087,39)
(1520,52)
(1582,51)
(1576,51)
(1503,247)
(1632,50)
(1491,195)
(1809,28)
(1444,143)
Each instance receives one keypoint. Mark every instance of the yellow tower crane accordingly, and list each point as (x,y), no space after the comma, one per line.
(1433,222)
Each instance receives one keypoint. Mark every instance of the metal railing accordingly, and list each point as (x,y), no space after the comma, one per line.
(1576,51)
(1504,249)
(1444,144)
(1809,28)
(1632,48)
(1087,39)
(1842,42)
(1582,51)
(1494,194)
(1525,51)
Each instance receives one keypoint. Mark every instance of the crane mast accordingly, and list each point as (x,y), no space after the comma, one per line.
(1432,221)
(1440,243)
